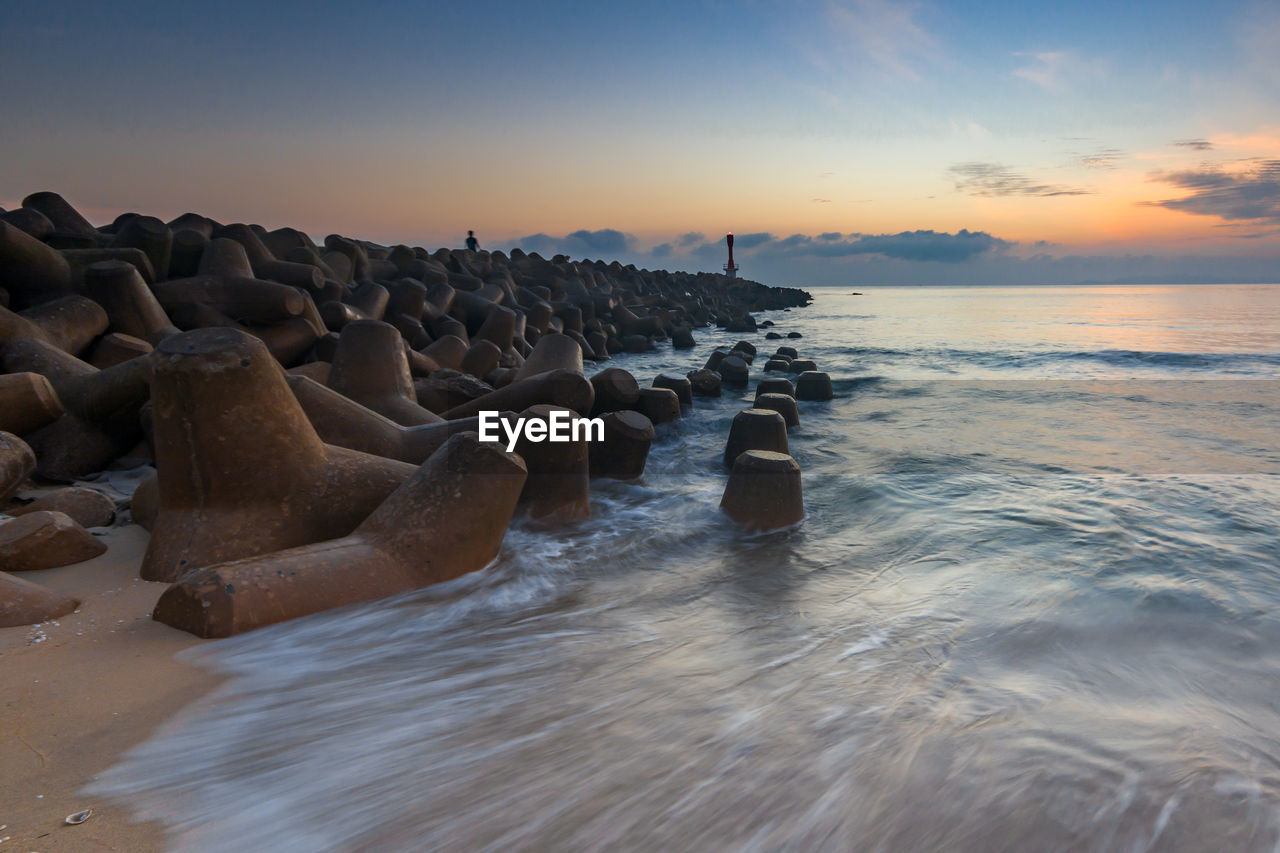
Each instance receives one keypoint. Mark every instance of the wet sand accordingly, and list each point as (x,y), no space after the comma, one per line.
(77,692)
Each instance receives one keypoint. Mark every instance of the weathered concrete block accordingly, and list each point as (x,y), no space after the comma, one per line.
(116,348)
(659,405)
(69,323)
(615,390)
(45,540)
(783,404)
(680,384)
(552,352)
(755,429)
(559,484)
(25,603)
(705,383)
(813,385)
(444,389)
(17,463)
(132,309)
(764,491)
(482,357)
(625,449)
(151,236)
(371,368)
(341,421)
(801,365)
(31,271)
(27,402)
(86,507)
(566,388)
(448,519)
(447,351)
(245,299)
(241,471)
(734,371)
(100,420)
(775,385)
(58,211)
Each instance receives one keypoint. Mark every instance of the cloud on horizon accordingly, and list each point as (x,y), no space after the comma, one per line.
(920,245)
(1194,144)
(1253,194)
(994,179)
(927,257)
(607,243)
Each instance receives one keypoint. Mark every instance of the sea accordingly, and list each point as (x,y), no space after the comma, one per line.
(1034,605)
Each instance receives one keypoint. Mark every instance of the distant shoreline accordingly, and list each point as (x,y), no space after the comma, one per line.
(1077,284)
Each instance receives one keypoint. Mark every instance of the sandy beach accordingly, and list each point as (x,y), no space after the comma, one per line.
(81,690)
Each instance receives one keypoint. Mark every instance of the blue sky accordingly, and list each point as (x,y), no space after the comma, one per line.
(1087,140)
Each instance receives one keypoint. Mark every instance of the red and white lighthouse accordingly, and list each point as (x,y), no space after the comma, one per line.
(730,269)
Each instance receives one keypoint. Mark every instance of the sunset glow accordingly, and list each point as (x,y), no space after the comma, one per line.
(1057,136)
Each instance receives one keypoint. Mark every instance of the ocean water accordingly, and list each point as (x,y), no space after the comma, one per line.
(1035,605)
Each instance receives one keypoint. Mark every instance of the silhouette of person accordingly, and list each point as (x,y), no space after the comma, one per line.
(472,243)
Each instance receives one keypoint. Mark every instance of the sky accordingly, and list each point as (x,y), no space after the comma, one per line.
(842,141)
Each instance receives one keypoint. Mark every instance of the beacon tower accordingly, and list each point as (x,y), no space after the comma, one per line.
(730,269)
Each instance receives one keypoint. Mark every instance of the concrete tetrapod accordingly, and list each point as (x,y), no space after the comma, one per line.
(775,385)
(447,351)
(781,365)
(17,463)
(559,484)
(247,299)
(680,384)
(625,449)
(552,352)
(444,389)
(29,221)
(145,503)
(27,402)
(130,305)
(371,368)
(755,429)
(448,519)
(566,388)
(70,323)
(151,236)
(764,491)
(801,365)
(705,383)
(45,540)
(783,404)
(60,212)
(101,408)
(31,271)
(241,472)
(734,371)
(86,507)
(481,358)
(813,385)
(615,390)
(115,348)
(659,405)
(25,603)
(342,421)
